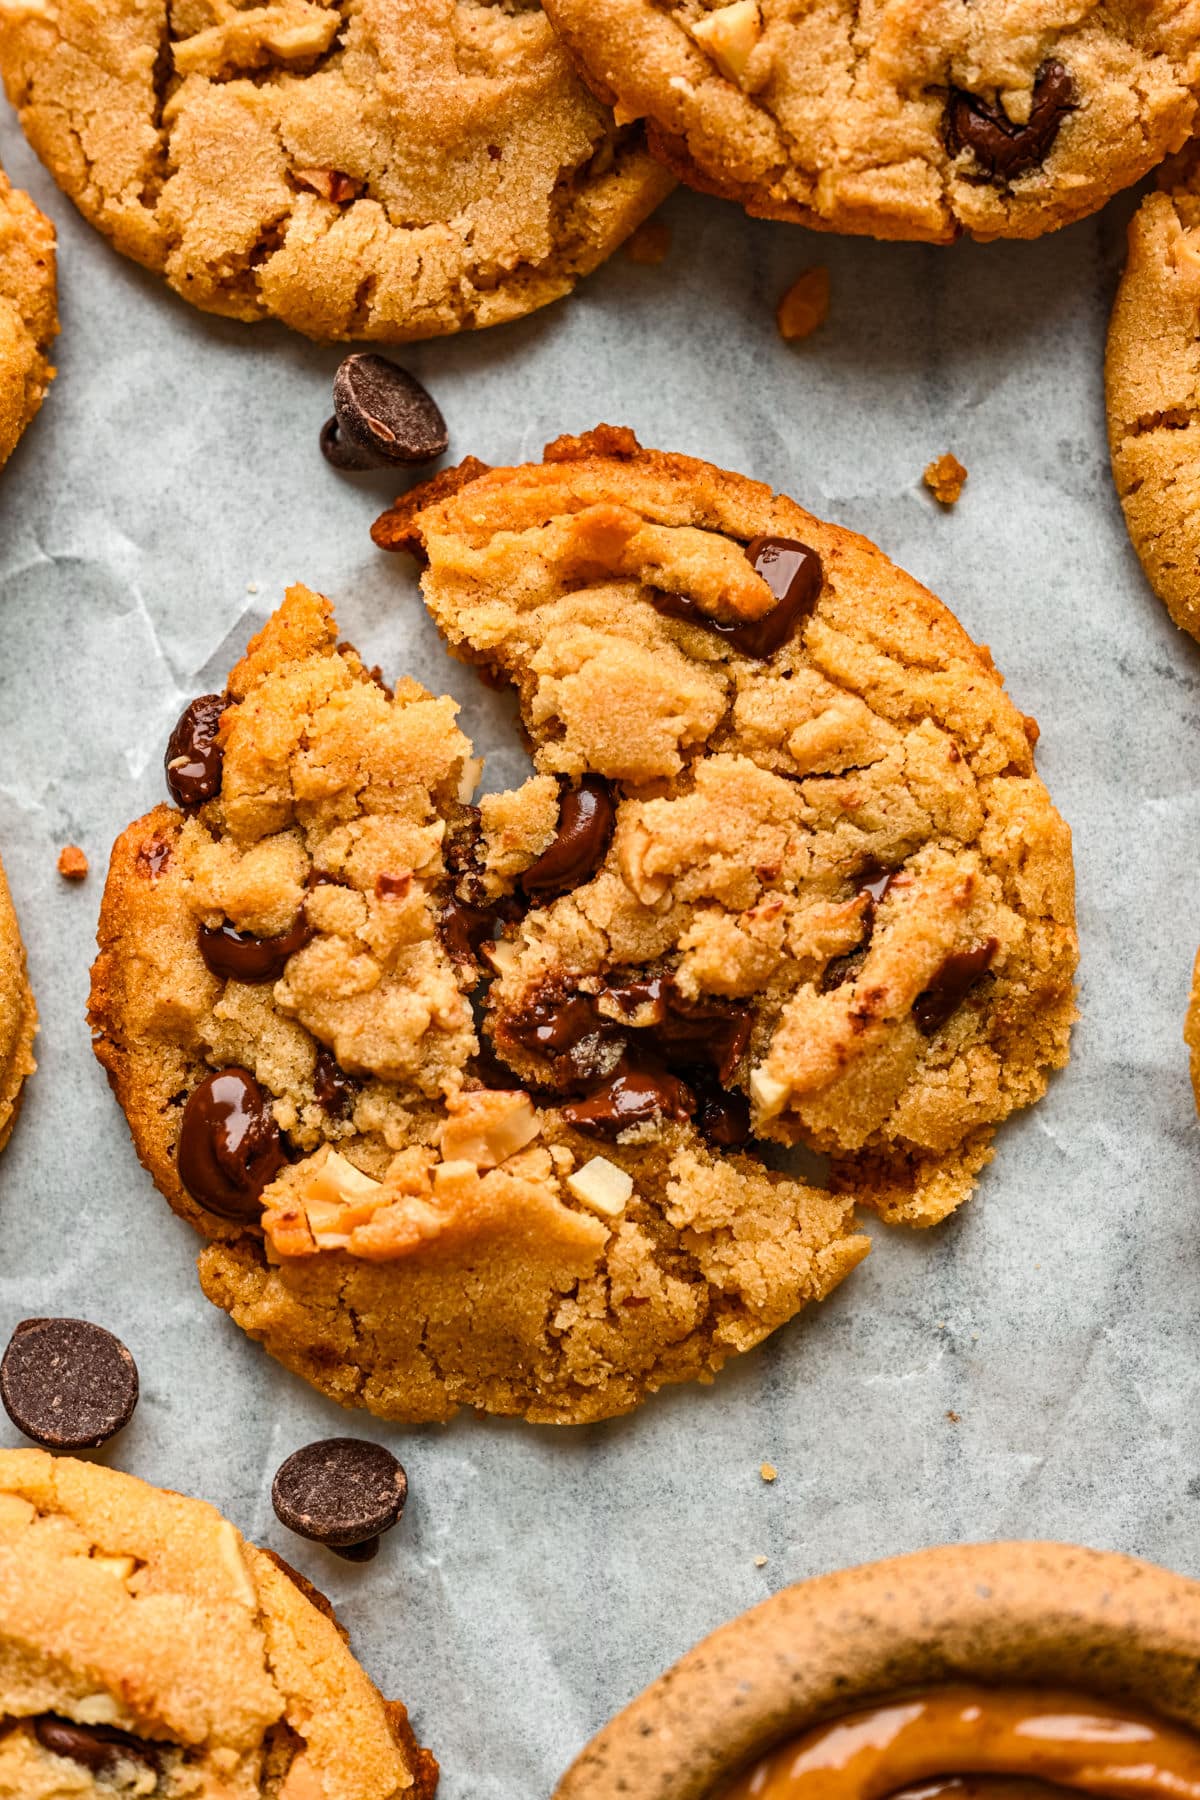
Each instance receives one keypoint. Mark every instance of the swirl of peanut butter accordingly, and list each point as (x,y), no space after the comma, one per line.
(1068,1740)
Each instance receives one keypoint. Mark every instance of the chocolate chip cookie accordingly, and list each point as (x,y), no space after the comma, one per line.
(148,1649)
(18,1016)
(292,959)
(830,898)
(899,121)
(356,168)
(28,312)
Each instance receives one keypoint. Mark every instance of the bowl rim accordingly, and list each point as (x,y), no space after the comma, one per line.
(1090,1620)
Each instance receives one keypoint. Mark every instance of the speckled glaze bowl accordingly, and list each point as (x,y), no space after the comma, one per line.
(1002,1613)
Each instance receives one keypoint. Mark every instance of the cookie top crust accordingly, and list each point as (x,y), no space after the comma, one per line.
(835,832)
(148,1649)
(1152,372)
(354,168)
(18,1016)
(283,1000)
(28,311)
(899,121)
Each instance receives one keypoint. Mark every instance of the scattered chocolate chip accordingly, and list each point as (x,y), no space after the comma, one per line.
(1003,149)
(334,1090)
(586,817)
(383,414)
(341,1492)
(67,1384)
(794,573)
(632,1096)
(234,955)
(465,929)
(951,985)
(193,759)
(229,1145)
(98,1748)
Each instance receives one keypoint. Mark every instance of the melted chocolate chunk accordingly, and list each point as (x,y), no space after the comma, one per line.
(341,452)
(794,574)
(229,1147)
(586,817)
(234,955)
(951,985)
(67,1384)
(333,1089)
(1001,148)
(152,858)
(636,1093)
(842,969)
(341,1492)
(465,929)
(193,759)
(724,1113)
(384,414)
(98,1748)
(702,1032)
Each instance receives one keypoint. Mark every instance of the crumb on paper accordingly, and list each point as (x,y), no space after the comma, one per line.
(944,477)
(252,587)
(72,863)
(760,1562)
(650,243)
(805,306)
(768,1471)
(953,1417)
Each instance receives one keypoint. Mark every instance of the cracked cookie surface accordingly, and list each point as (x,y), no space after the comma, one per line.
(1152,372)
(1000,119)
(283,1000)
(28,312)
(148,1649)
(18,1016)
(355,168)
(833,862)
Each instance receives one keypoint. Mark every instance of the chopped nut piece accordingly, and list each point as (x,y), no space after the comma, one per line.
(336,1181)
(331,184)
(602,1186)
(72,863)
(805,306)
(767,1093)
(487,1128)
(468,781)
(768,1471)
(450,1175)
(729,35)
(120,1566)
(650,243)
(760,1562)
(944,477)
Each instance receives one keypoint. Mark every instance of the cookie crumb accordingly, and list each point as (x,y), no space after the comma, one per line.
(650,243)
(944,477)
(805,306)
(953,1417)
(760,1562)
(768,1471)
(252,587)
(72,863)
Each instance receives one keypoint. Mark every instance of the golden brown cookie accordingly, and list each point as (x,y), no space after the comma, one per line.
(146,1648)
(901,121)
(283,1001)
(356,168)
(1152,371)
(18,1016)
(833,862)
(28,312)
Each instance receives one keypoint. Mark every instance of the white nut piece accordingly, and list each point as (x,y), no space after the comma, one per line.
(768,1094)
(487,1128)
(602,1186)
(729,35)
(335,1180)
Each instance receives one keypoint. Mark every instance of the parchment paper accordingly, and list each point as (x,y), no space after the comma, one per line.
(1030,1369)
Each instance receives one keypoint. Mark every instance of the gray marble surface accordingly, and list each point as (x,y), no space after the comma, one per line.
(153,515)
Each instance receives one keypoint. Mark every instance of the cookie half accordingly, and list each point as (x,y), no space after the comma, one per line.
(149,1649)
(283,1000)
(18,1016)
(835,886)
(28,312)
(365,169)
(903,121)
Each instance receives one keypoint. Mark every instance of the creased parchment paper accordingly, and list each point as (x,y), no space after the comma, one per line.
(1033,1367)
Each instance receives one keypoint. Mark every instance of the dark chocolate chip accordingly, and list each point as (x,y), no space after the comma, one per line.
(566,1029)
(334,1090)
(875,880)
(234,955)
(723,1115)
(98,1748)
(703,1033)
(67,1384)
(586,817)
(229,1145)
(465,929)
(193,759)
(634,1095)
(338,450)
(1003,149)
(951,985)
(384,413)
(794,574)
(152,858)
(341,1492)
(842,969)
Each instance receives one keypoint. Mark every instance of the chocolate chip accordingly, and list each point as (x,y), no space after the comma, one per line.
(586,816)
(98,1748)
(382,413)
(794,573)
(193,759)
(723,1115)
(1003,149)
(152,858)
(567,1031)
(634,1095)
(333,1089)
(229,1145)
(841,969)
(341,1492)
(951,985)
(234,955)
(465,929)
(67,1384)
(703,1033)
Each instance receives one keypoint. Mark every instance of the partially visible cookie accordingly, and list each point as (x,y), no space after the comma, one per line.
(147,1648)
(18,1016)
(1191,1029)
(1152,373)
(897,120)
(355,168)
(28,311)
